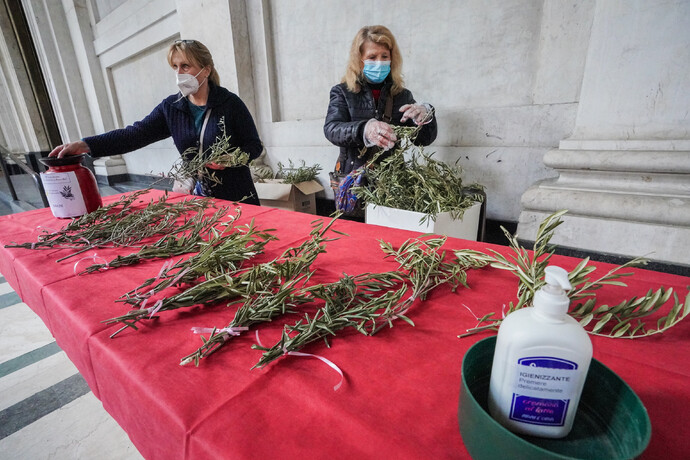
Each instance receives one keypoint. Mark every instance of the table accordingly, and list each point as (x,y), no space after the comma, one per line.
(399,398)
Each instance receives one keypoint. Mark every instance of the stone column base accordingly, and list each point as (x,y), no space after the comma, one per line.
(623,202)
(110,170)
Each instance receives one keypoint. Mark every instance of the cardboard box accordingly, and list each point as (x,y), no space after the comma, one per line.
(466,228)
(299,197)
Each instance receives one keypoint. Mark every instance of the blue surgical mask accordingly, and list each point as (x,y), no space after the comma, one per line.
(376,71)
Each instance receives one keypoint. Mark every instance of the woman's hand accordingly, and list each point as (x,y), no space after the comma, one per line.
(215,166)
(71,148)
(380,134)
(419,113)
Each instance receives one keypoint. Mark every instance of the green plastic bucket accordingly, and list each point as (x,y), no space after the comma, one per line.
(611,423)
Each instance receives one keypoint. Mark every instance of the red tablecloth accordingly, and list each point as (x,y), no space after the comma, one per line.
(400,394)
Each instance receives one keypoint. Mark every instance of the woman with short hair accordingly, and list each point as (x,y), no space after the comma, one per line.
(192,118)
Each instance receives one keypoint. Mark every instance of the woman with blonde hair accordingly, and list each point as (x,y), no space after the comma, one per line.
(192,118)
(371,98)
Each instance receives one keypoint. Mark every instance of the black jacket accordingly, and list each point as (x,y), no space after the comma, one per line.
(348,112)
(172,117)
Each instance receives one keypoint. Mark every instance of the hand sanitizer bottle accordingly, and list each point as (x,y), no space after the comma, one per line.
(540,364)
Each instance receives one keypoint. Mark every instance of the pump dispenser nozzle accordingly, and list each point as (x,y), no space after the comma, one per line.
(556,276)
(551,300)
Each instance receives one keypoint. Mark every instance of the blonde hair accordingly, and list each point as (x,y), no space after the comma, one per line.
(195,52)
(382,36)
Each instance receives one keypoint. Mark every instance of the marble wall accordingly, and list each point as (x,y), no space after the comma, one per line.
(504,78)
(511,81)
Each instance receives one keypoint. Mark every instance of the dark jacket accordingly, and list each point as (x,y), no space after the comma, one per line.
(348,112)
(172,117)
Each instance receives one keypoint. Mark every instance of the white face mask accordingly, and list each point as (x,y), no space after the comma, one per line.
(187,83)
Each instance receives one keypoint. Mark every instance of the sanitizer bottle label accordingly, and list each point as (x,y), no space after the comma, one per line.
(542,390)
(64,194)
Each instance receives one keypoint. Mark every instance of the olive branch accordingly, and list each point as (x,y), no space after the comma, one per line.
(223,279)
(624,320)
(222,152)
(122,224)
(408,178)
(296,174)
(370,301)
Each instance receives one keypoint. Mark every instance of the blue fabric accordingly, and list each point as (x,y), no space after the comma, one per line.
(173,117)
(200,189)
(346,201)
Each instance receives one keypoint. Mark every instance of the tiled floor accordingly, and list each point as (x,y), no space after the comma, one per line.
(46,409)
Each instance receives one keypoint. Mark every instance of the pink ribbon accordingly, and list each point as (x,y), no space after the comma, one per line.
(179,276)
(168,264)
(46,229)
(153,310)
(326,361)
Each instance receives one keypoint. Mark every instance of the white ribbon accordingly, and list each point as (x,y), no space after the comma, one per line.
(166,265)
(94,257)
(228,331)
(328,362)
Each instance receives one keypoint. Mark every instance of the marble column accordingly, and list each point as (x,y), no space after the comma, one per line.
(63,39)
(624,174)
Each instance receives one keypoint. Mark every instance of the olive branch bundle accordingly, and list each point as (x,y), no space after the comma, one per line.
(351,302)
(408,178)
(120,224)
(296,174)
(369,301)
(175,244)
(264,306)
(227,285)
(222,152)
(624,320)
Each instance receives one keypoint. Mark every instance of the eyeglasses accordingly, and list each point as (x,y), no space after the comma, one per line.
(186,42)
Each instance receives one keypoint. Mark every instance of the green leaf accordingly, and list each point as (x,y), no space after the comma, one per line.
(586,319)
(602,322)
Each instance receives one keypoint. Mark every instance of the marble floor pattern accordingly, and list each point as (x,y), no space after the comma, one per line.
(46,409)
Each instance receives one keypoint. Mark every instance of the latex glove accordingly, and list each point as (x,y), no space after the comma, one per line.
(183,186)
(379,133)
(71,148)
(419,113)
